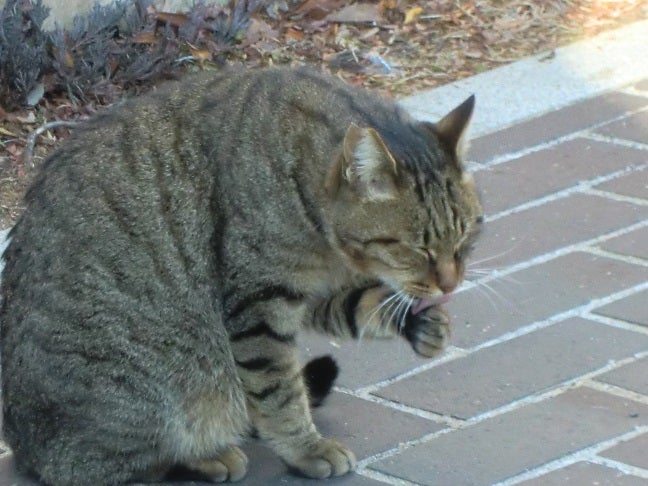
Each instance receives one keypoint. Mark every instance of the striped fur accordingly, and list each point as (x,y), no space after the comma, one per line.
(172,250)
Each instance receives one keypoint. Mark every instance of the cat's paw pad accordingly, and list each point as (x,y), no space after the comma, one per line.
(428,331)
(326,458)
(230,465)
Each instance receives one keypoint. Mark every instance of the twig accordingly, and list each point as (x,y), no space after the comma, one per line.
(31,141)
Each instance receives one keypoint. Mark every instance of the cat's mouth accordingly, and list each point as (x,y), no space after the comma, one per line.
(420,304)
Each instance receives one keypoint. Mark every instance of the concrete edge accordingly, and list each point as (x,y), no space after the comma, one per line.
(539,84)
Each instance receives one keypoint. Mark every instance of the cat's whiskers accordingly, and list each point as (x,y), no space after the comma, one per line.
(486,290)
(480,273)
(408,306)
(382,309)
(378,308)
(386,322)
(395,312)
(493,257)
(382,304)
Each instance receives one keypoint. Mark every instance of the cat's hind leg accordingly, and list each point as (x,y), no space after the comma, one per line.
(202,431)
(75,463)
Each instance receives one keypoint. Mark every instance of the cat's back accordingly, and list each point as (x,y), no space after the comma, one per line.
(116,222)
(134,198)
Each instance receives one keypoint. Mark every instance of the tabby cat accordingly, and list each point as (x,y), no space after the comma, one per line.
(171,250)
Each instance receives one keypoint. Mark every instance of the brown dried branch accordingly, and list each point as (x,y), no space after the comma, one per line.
(31,140)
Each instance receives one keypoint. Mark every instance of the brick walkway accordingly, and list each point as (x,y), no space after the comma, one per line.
(546,381)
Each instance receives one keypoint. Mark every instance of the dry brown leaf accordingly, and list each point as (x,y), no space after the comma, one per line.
(318,9)
(200,55)
(146,38)
(6,132)
(388,4)
(260,30)
(174,19)
(30,119)
(15,150)
(370,33)
(412,15)
(357,13)
(292,33)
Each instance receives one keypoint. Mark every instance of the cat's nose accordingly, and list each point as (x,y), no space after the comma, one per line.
(447,278)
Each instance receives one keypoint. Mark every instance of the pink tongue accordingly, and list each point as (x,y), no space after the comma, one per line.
(423,304)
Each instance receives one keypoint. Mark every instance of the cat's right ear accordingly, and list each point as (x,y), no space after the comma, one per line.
(366,164)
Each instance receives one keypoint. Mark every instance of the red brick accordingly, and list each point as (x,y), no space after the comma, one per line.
(633,452)
(634,128)
(265,468)
(541,173)
(633,185)
(633,308)
(631,376)
(542,229)
(368,428)
(500,374)
(634,243)
(509,444)
(364,362)
(537,293)
(585,473)
(555,124)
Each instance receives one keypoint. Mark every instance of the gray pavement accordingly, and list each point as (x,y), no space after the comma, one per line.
(546,380)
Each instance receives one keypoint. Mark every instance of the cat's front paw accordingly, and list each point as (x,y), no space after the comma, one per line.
(230,465)
(428,331)
(324,459)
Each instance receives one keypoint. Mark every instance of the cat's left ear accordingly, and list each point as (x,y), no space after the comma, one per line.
(452,127)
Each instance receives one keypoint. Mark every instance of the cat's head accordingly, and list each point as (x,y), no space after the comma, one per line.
(404,209)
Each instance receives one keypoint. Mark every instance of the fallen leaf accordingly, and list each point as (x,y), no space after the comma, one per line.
(412,15)
(28,120)
(15,150)
(318,9)
(370,33)
(4,131)
(351,61)
(356,13)
(292,33)
(148,37)
(174,19)
(200,55)
(260,30)
(388,4)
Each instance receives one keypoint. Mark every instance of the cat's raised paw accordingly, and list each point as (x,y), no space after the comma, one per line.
(428,331)
(230,465)
(326,458)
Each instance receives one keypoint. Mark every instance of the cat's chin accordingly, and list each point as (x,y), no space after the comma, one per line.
(420,304)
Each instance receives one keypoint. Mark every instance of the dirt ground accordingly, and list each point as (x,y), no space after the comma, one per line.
(397,47)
